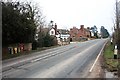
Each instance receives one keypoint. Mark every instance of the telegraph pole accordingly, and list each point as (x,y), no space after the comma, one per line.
(118,34)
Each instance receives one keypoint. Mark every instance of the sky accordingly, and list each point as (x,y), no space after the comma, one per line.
(69,13)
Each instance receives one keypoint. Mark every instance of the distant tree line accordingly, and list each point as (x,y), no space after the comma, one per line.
(104,32)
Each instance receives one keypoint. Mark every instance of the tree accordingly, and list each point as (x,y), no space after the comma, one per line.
(20,21)
(41,39)
(104,32)
(117,33)
(48,40)
(94,30)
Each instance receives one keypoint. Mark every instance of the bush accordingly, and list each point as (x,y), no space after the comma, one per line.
(34,45)
(50,41)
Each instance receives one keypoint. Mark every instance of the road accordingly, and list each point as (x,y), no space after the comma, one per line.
(70,61)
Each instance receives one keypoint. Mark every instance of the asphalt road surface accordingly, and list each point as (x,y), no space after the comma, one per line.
(70,61)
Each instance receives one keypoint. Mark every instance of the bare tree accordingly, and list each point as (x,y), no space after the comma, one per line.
(117,31)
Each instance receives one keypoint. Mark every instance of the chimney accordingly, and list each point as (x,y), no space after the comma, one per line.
(55,29)
(82,26)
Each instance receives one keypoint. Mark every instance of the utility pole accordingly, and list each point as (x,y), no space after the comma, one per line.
(118,34)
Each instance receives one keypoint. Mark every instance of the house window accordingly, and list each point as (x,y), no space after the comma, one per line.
(64,39)
(52,32)
(87,35)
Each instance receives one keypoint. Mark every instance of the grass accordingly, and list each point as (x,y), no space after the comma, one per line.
(109,50)
(111,64)
(8,56)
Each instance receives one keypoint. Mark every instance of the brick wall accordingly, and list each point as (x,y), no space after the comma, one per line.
(76,33)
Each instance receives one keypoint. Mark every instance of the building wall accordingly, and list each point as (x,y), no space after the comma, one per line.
(63,39)
(73,33)
(52,32)
(76,34)
(63,36)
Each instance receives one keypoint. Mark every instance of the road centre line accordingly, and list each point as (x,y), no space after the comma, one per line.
(49,55)
(51,72)
(31,58)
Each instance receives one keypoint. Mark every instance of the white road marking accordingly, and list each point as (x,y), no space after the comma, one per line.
(27,59)
(42,58)
(97,57)
(55,70)
(46,56)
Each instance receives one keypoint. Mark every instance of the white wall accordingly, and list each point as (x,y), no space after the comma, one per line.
(52,30)
(63,36)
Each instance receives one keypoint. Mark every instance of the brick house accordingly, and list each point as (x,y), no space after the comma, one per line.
(73,34)
(79,34)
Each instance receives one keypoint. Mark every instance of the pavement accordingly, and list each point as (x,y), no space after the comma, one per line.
(70,61)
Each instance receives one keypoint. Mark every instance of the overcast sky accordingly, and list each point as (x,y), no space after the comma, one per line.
(69,13)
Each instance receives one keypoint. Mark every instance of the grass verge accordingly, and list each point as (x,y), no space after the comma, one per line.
(111,64)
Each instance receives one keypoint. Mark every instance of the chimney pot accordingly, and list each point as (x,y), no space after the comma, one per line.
(82,26)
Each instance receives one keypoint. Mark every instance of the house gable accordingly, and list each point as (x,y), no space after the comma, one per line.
(52,31)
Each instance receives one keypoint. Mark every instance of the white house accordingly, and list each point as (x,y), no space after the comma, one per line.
(52,32)
(63,36)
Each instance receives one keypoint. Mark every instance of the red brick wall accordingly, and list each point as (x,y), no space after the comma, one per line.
(76,33)
(73,33)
